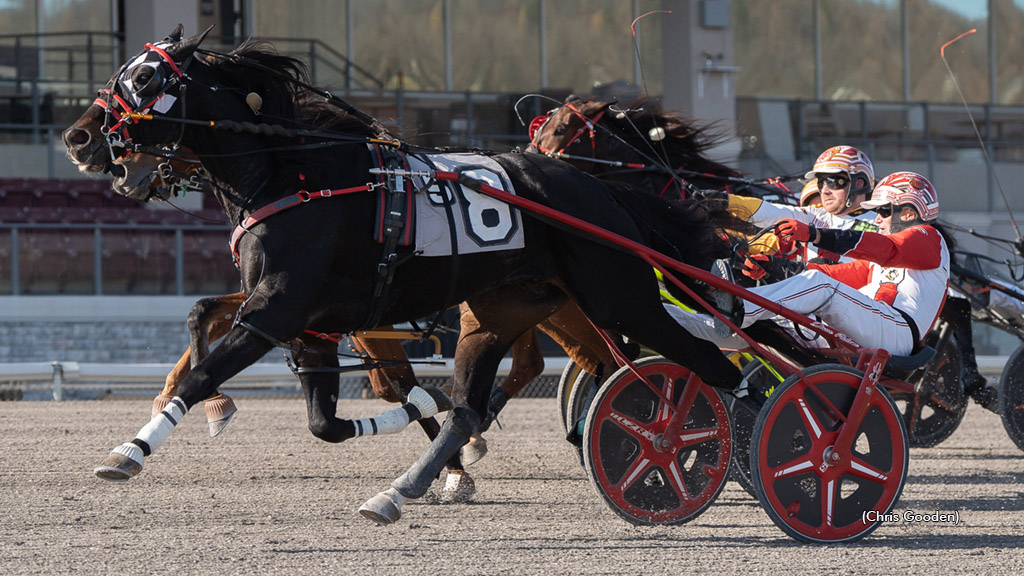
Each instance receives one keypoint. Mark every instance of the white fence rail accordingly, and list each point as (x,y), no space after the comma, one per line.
(60,376)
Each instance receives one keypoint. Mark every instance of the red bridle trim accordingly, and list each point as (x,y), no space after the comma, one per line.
(588,126)
(165,56)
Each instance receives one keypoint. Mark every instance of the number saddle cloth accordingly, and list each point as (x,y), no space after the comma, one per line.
(427,214)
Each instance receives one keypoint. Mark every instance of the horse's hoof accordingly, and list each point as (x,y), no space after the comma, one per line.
(159,403)
(475,450)
(219,413)
(124,463)
(384,508)
(459,487)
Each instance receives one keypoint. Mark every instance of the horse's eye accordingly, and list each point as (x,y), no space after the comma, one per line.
(560,131)
(146,81)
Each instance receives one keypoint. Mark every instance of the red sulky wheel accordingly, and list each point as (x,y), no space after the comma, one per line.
(642,478)
(807,498)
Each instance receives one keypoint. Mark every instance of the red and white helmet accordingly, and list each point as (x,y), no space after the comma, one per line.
(844,159)
(900,188)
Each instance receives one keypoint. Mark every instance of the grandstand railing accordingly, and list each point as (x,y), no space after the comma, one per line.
(113,259)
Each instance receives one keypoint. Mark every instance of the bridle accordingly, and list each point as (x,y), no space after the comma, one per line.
(588,127)
(119,112)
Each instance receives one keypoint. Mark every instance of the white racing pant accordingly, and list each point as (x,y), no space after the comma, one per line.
(870,323)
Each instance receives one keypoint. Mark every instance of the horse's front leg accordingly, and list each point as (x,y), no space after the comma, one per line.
(239,349)
(208,321)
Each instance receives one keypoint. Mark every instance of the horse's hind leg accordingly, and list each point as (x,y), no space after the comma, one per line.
(208,321)
(571,330)
(497,319)
(319,382)
(394,383)
(527,364)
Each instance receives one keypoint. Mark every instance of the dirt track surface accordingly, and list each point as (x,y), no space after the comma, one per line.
(266,497)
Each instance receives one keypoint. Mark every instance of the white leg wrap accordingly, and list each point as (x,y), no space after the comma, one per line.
(423,402)
(130,450)
(390,422)
(159,428)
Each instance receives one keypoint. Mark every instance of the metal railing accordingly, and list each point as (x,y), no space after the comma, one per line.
(77,63)
(59,377)
(67,62)
(68,244)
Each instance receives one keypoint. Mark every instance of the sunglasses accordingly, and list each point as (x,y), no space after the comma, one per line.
(884,211)
(835,182)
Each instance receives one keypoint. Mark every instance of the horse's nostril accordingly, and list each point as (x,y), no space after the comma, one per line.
(78,137)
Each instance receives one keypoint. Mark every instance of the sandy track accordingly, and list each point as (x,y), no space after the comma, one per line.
(268,498)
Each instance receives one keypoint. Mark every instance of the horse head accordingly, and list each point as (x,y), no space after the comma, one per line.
(597,136)
(149,86)
(570,131)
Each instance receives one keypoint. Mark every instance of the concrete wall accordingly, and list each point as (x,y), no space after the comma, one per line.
(93,329)
(697,58)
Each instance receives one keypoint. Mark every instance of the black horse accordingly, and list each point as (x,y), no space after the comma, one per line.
(318,266)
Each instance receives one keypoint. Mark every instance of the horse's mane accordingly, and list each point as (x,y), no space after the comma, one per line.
(686,141)
(279,79)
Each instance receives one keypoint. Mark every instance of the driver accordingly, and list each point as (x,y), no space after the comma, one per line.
(892,288)
(844,178)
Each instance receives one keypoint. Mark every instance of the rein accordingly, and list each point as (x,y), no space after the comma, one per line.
(591,126)
(771,184)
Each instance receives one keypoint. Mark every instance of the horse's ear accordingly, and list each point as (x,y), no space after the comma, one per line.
(184,48)
(175,35)
(595,106)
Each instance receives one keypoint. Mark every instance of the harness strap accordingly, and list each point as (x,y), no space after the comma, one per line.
(393,206)
(301,197)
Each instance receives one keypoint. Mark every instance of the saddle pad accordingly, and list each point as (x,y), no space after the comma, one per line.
(482,224)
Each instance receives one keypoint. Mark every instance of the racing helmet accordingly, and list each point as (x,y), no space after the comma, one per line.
(906,189)
(809,191)
(848,160)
